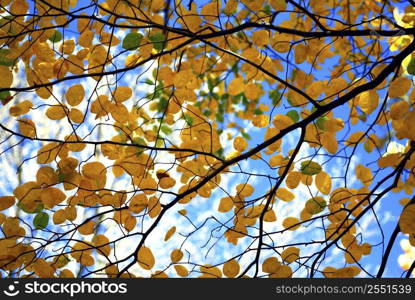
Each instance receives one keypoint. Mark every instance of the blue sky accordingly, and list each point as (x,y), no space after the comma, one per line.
(208,244)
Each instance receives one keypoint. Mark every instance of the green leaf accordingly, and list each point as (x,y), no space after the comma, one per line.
(219,153)
(257,111)
(210,84)
(62,261)
(310,167)
(207,113)
(56,36)
(158,39)
(235,68)
(139,141)
(41,220)
(411,67)
(4,95)
(188,119)
(4,60)
(321,123)
(166,129)
(132,41)
(293,115)
(316,205)
(160,143)
(61,177)
(245,135)
(220,118)
(267,9)
(275,96)
(162,104)
(37,209)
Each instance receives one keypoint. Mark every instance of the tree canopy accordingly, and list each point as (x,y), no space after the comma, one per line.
(223,138)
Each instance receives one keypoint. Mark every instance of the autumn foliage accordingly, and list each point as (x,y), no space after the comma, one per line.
(206,138)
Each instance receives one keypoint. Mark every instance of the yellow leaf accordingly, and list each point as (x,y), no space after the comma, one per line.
(282,121)
(138,203)
(122,93)
(65,273)
(354,138)
(285,195)
(305,215)
(364,174)
(6,202)
(129,223)
(334,124)
(406,220)
(231,268)
(270,265)
(276,160)
(154,207)
(76,116)
(290,223)
(75,94)
(230,7)
(270,216)
(210,11)
(71,213)
(290,254)
(329,142)
(236,86)
(48,153)
(20,109)
(157,5)
(260,38)
(368,101)
(315,205)
(244,190)
(181,271)
(225,204)
(271,132)
(59,216)
(399,109)
(27,127)
(283,271)
(57,112)
(240,144)
(43,269)
(87,228)
(52,196)
(176,255)
(260,121)
(300,53)
(293,179)
(145,258)
(46,176)
(278,5)
(399,87)
(67,46)
(169,233)
(340,195)
(6,78)
(209,271)
(167,182)
(347,272)
(93,170)
(87,260)
(120,113)
(323,182)
(148,185)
